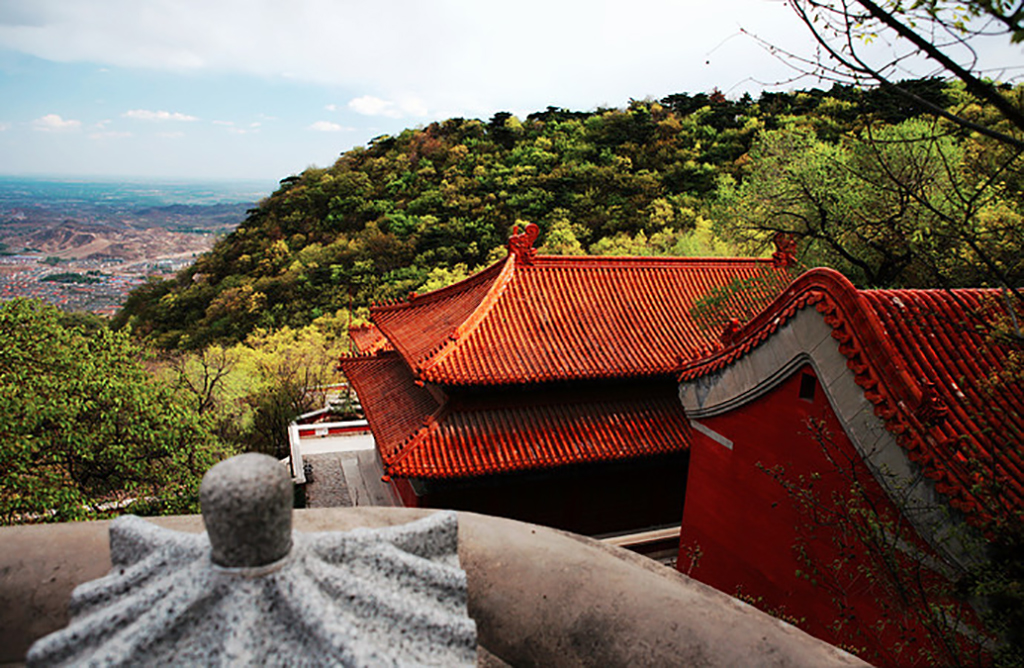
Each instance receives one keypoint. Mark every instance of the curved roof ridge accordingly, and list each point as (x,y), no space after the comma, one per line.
(809,288)
(402,451)
(417,338)
(368,339)
(539,261)
(416,299)
(468,325)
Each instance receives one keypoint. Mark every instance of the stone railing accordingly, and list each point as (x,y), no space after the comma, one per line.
(538,596)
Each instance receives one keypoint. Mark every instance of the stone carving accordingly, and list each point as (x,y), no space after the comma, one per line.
(251,591)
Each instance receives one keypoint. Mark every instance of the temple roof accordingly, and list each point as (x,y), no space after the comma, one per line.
(424,433)
(543,318)
(947,390)
(368,339)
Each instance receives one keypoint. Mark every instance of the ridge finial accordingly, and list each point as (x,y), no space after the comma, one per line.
(520,245)
(785,250)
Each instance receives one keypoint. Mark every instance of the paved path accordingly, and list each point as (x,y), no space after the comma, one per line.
(346,478)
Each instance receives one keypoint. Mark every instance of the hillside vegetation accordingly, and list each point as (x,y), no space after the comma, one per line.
(685,175)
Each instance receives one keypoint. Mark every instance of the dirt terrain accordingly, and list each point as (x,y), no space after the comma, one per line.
(84,245)
(72,240)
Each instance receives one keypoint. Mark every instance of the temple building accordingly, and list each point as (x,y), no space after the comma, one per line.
(861,440)
(545,388)
(832,454)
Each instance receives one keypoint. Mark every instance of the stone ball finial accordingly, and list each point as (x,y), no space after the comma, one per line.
(247,508)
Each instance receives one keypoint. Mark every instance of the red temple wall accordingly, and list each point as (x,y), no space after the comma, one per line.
(747,526)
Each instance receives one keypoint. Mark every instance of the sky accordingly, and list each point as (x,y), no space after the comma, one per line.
(261,89)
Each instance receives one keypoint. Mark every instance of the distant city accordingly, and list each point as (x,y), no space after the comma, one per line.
(84,244)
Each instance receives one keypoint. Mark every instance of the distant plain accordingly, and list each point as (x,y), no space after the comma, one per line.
(82,244)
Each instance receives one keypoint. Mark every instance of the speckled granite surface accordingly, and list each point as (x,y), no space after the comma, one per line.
(367,597)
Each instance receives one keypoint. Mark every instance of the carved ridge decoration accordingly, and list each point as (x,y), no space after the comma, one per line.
(785,250)
(730,332)
(520,244)
(932,410)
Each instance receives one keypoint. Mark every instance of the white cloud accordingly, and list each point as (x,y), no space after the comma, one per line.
(54,123)
(327,126)
(369,105)
(400,62)
(464,56)
(110,134)
(147,115)
(4,126)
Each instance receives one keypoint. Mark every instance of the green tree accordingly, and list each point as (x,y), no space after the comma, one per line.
(283,366)
(86,432)
(850,32)
(896,206)
(374,225)
(250,392)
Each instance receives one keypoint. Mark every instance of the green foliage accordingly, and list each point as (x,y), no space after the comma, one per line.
(898,205)
(688,175)
(85,431)
(250,392)
(70,277)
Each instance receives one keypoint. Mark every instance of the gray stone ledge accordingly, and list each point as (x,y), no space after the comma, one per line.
(539,596)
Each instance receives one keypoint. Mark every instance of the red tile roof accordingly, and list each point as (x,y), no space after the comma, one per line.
(952,397)
(395,406)
(470,433)
(968,425)
(368,339)
(555,318)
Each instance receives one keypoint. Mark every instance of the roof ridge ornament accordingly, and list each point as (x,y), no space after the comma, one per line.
(520,245)
(730,332)
(785,250)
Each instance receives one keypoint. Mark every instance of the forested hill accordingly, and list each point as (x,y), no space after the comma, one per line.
(414,211)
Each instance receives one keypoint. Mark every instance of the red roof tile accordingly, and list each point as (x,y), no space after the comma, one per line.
(368,339)
(968,425)
(556,318)
(471,433)
(948,394)
(395,406)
